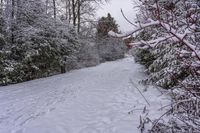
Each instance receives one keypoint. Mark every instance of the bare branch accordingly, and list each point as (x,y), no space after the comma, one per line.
(140,92)
(128,19)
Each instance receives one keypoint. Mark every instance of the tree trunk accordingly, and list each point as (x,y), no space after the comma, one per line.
(74,12)
(12,22)
(1,11)
(79,16)
(54,9)
(47,2)
(63,69)
(66,9)
(18,12)
(69,10)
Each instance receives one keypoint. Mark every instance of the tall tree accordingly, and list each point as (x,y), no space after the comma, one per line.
(105,24)
(79,12)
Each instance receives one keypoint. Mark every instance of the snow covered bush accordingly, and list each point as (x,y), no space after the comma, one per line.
(37,41)
(173,29)
(143,56)
(39,45)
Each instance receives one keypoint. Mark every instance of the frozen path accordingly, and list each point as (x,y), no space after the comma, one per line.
(92,100)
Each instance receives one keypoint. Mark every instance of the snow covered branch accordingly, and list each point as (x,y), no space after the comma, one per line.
(173,61)
(153,43)
(181,38)
(138,28)
(172,31)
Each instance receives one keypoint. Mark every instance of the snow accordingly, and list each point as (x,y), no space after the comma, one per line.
(138,28)
(153,43)
(100,99)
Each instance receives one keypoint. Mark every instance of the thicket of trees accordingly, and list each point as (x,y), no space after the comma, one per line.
(99,47)
(34,44)
(106,24)
(167,43)
(39,38)
(76,12)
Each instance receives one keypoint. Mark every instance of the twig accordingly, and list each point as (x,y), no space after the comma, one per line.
(160,118)
(127,19)
(140,92)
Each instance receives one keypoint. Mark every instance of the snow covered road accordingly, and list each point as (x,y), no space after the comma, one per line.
(92,100)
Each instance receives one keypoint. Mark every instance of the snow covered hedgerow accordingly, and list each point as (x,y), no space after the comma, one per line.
(184,112)
(42,56)
(166,61)
(175,45)
(143,56)
(173,36)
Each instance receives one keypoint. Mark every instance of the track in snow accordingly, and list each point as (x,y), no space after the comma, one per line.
(90,100)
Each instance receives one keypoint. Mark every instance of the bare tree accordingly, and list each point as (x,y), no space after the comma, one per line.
(78,12)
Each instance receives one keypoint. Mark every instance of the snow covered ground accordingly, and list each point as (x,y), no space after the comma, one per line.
(92,100)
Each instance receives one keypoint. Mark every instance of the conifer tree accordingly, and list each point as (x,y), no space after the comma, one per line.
(106,24)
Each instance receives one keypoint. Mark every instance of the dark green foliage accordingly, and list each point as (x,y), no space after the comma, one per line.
(109,48)
(106,24)
(176,63)
(144,57)
(2,32)
(39,57)
(2,41)
(160,64)
(42,45)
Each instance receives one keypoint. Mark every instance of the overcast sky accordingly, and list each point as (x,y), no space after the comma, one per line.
(114,6)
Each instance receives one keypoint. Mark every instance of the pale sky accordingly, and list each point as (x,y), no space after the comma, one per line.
(114,7)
